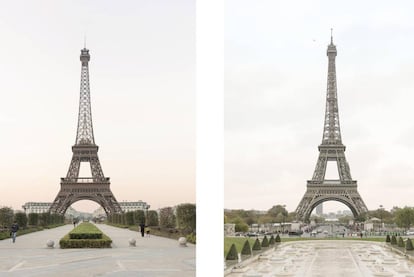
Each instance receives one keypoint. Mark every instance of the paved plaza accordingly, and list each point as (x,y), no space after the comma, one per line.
(328,258)
(152,256)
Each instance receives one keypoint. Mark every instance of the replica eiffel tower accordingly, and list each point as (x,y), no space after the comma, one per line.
(320,189)
(74,188)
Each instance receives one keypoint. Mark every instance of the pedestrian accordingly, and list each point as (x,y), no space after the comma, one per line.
(13,231)
(142,226)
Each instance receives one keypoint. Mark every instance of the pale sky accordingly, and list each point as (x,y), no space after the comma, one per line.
(142,78)
(275,89)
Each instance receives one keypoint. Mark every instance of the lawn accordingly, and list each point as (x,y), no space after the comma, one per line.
(228,241)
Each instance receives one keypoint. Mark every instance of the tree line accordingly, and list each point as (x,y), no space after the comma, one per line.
(8,216)
(182,218)
(243,219)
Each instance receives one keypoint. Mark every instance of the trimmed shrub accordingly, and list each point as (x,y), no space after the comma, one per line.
(21,219)
(256,245)
(232,254)
(33,219)
(191,238)
(85,235)
(265,242)
(85,230)
(277,239)
(247,250)
(104,242)
(409,245)
(393,240)
(388,239)
(400,242)
(272,240)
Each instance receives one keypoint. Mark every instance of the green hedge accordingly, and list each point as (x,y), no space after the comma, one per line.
(85,235)
(104,242)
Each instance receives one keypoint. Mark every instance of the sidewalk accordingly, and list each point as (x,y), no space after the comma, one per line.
(153,256)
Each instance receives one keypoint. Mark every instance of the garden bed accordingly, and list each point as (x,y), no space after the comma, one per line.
(85,235)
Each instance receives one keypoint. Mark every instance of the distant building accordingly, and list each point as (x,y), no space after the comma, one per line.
(43,207)
(36,207)
(126,206)
(319,209)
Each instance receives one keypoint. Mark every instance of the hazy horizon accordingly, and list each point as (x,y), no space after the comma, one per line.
(142,79)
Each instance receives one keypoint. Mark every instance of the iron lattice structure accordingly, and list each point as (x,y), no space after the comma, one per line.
(319,189)
(74,188)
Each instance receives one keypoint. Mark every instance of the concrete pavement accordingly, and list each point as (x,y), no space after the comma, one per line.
(153,256)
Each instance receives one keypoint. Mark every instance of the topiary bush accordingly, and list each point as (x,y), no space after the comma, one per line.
(232,254)
(277,239)
(256,245)
(400,242)
(191,238)
(409,245)
(388,239)
(265,242)
(393,240)
(247,250)
(272,240)
(85,235)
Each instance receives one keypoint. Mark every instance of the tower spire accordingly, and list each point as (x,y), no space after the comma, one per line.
(331,130)
(84,133)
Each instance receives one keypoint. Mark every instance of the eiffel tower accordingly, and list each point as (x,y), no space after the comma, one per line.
(74,188)
(319,189)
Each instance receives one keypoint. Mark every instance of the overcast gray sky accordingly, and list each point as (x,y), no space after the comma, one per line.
(142,90)
(275,88)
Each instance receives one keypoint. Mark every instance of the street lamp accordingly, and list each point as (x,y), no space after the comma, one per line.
(381,209)
(283,218)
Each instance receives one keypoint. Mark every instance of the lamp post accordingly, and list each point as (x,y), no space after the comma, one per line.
(381,209)
(146,213)
(283,218)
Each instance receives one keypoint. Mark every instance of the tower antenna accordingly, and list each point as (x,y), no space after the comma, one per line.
(84,41)
(331,37)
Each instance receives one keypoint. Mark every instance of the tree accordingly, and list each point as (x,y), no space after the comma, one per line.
(6,217)
(409,245)
(240,226)
(247,250)
(44,219)
(21,219)
(232,254)
(139,217)
(167,217)
(404,217)
(130,218)
(256,245)
(152,218)
(186,217)
(278,209)
(400,242)
(317,219)
(265,242)
(33,219)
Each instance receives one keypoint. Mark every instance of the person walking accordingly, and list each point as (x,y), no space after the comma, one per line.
(14,228)
(142,226)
